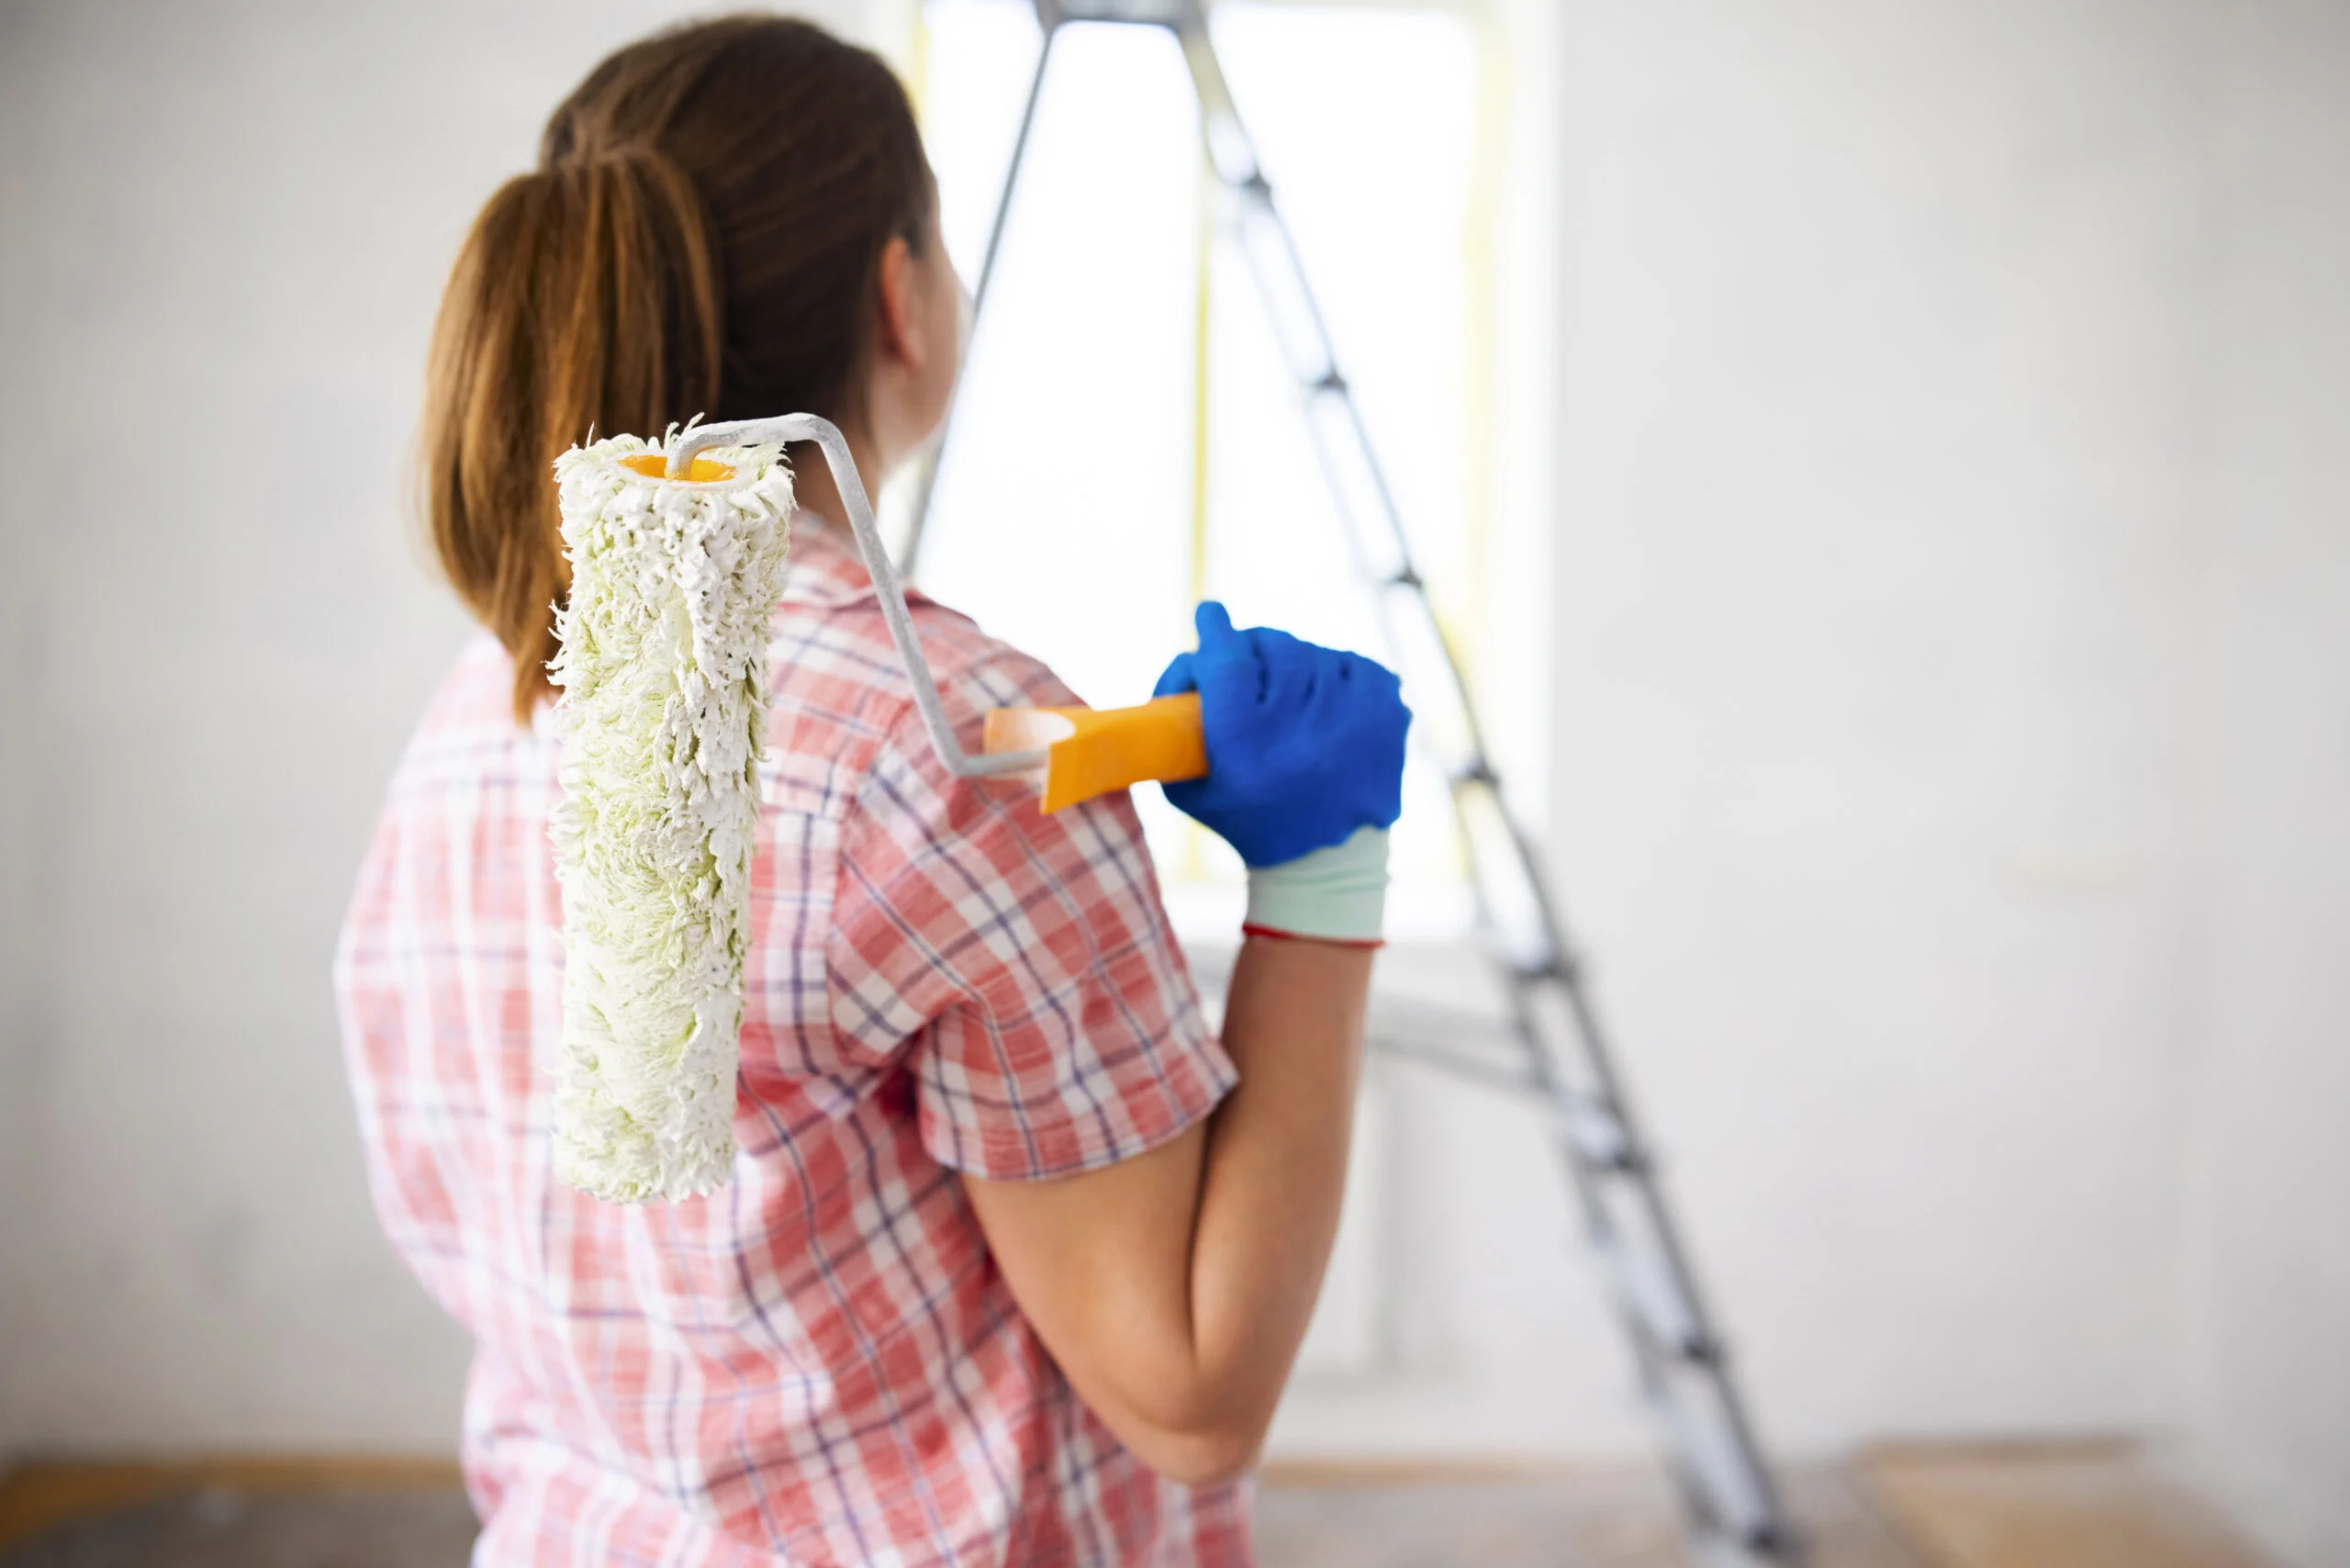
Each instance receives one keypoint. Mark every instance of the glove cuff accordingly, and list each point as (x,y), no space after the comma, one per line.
(1336,894)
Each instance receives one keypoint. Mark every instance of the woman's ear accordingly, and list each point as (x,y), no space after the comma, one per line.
(917,345)
(897,326)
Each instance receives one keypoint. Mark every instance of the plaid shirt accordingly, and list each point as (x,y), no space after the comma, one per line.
(819,1363)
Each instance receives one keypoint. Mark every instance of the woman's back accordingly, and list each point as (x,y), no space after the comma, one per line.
(820,1363)
(841,1356)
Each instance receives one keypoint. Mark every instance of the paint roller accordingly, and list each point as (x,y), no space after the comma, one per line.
(678,554)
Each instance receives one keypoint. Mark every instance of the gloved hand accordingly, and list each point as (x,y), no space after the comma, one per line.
(1305,744)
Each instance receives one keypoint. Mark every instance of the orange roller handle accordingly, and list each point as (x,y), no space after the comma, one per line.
(1092,751)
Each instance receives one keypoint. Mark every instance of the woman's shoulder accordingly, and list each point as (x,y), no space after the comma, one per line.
(988,670)
(830,632)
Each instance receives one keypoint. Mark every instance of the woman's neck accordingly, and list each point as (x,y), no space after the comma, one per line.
(813,488)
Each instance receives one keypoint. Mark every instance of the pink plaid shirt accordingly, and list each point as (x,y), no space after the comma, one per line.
(819,1363)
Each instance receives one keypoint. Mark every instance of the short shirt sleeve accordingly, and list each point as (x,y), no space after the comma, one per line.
(1023,962)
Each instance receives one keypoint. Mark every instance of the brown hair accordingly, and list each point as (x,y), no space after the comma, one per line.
(701,236)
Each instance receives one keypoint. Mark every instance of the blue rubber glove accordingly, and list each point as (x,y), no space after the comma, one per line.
(1305,744)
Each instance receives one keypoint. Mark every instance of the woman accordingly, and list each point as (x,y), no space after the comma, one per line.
(1016,1255)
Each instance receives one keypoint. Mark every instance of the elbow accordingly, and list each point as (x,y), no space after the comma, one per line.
(1191,1426)
(1201,1454)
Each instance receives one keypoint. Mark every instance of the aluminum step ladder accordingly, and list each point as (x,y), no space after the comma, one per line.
(1556,1052)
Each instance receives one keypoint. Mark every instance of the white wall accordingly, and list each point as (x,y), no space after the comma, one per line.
(1894,454)
(2269,1266)
(1875,574)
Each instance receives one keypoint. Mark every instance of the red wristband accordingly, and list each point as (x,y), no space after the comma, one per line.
(1274,935)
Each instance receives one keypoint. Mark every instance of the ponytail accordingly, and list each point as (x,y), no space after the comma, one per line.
(585,298)
(703,235)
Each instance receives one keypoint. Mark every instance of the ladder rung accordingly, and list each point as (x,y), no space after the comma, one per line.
(1658,1300)
(1555,969)
(1519,970)
(1600,1136)
(1477,770)
(1536,971)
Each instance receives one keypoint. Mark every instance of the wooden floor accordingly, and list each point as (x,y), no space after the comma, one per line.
(2084,1507)
(2097,1505)
(2074,1505)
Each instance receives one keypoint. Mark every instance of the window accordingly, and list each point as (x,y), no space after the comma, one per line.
(1129,438)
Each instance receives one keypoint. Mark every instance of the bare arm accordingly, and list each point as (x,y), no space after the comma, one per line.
(1175,1287)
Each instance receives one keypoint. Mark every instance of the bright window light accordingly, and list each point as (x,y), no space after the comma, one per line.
(1129,438)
